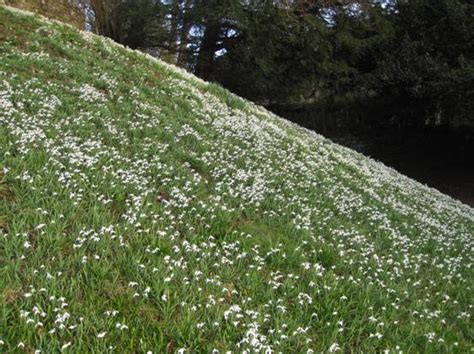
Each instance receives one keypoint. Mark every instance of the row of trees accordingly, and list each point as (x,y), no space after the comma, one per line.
(414,58)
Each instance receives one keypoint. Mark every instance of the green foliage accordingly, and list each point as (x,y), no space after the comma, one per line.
(278,55)
(132,23)
(428,66)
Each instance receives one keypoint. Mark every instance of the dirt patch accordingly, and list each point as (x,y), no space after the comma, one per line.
(10,296)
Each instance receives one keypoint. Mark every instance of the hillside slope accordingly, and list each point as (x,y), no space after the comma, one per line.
(62,10)
(143,209)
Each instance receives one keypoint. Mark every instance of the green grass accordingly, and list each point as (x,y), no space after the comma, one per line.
(142,209)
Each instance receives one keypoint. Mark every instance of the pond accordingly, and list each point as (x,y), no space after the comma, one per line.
(439,157)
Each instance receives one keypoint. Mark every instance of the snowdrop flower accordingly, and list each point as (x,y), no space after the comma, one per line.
(65,346)
(334,348)
(101,335)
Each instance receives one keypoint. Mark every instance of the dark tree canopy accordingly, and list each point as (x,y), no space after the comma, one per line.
(414,58)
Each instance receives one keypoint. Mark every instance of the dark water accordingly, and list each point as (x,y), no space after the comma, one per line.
(445,163)
(441,158)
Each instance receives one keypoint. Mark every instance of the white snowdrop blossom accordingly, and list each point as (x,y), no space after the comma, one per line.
(101,334)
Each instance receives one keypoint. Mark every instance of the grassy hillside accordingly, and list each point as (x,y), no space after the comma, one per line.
(63,10)
(145,210)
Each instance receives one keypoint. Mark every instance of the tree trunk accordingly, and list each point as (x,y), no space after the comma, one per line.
(105,20)
(184,34)
(174,30)
(207,50)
